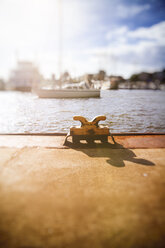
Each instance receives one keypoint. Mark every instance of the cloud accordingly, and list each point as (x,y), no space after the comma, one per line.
(131,51)
(124,11)
(155,33)
(32,29)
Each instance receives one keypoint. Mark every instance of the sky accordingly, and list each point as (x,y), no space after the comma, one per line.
(121,37)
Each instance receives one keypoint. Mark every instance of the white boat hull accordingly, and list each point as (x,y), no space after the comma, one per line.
(68,93)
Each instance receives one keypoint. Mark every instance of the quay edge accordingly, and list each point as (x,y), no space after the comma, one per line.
(82,197)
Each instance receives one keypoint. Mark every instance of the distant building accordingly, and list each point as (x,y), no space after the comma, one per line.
(65,77)
(101,75)
(24,77)
(2,84)
(88,77)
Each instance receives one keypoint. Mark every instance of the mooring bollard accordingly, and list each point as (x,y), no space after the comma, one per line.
(90,130)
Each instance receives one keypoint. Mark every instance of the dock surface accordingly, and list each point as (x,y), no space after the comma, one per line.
(53,195)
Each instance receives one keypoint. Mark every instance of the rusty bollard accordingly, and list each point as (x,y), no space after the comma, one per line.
(90,130)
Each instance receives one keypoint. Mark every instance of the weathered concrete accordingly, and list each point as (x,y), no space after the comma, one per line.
(56,141)
(97,197)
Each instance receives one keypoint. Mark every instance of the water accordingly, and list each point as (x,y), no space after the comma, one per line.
(126,111)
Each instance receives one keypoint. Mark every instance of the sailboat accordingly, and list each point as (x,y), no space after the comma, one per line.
(80,90)
(71,90)
(67,93)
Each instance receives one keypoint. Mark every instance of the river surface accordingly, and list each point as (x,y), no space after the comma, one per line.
(126,111)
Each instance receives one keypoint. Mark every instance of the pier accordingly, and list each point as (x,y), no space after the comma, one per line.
(109,195)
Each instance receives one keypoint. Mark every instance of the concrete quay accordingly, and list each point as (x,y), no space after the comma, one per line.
(53,195)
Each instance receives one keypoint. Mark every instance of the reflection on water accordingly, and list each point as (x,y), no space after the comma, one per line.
(126,111)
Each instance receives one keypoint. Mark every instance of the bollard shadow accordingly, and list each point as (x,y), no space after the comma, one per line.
(115,153)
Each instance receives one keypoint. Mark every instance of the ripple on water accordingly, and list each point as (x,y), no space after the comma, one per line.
(126,111)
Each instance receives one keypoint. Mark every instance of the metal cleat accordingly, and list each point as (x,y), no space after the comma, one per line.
(90,130)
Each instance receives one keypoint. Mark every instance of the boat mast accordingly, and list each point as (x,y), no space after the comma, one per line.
(60,40)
